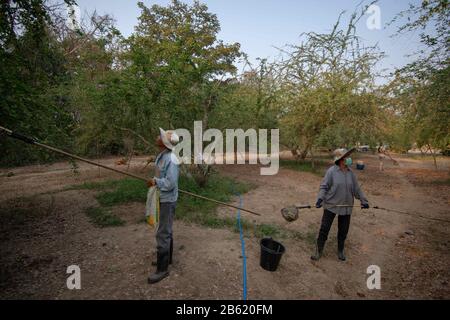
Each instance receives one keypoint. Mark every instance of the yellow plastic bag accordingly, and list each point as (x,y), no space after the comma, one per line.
(152,207)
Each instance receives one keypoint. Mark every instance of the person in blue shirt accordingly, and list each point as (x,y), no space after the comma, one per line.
(336,193)
(166,180)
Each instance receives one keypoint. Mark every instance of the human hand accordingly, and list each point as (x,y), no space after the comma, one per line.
(319,203)
(151,183)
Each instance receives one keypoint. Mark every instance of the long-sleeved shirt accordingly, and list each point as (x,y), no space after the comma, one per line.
(166,176)
(340,187)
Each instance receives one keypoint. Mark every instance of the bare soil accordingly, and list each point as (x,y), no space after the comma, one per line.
(44,229)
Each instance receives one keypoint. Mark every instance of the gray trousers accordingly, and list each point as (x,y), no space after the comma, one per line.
(164,233)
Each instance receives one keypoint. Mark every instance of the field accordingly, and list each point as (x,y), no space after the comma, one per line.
(52,217)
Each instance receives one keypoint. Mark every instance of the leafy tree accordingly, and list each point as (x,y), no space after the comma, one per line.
(166,74)
(32,67)
(431,18)
(328,86)
(420,90)
(248,101)
(176,50)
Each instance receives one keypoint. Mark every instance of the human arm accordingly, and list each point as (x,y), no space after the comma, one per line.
(325,185)
(169,181)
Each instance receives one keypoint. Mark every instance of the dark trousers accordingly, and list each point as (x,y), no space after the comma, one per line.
(164,234)
(327,221)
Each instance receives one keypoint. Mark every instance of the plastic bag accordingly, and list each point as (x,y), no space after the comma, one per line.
(152,207)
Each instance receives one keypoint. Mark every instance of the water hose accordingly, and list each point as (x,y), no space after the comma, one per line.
(244,258)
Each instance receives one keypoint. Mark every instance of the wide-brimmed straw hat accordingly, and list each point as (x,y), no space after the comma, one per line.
(169,138)
(341,154)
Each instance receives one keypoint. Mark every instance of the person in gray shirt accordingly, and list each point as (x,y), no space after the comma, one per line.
(337,191)
(166,180)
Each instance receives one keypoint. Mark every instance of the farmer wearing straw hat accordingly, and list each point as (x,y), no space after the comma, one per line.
(166,180)
(337,190)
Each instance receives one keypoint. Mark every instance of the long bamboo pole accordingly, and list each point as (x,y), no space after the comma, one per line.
(33,141)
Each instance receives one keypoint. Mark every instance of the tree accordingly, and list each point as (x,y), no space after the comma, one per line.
(420,90)
(247,101)
(176,50)
(32,67)
(328,85)
(431,18)
(423,109)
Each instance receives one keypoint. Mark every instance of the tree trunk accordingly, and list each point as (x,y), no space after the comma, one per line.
(304,152)
(313,162)
(434,156)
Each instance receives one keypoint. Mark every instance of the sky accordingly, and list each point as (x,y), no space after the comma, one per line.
(262,26)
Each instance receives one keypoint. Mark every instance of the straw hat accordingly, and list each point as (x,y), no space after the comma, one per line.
(341,154)
(169,138)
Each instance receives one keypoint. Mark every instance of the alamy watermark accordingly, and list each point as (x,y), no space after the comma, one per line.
(373,22)
(374,280)
(74,280)
(234,153)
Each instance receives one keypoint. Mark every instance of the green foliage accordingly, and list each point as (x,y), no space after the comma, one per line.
(422,110)
(249,101)
(102,217)
(268,230)
(189,209)
(309,237)
(168,77)
(203,212)
(445,182)
(328,92)
(89,90)
(419,92)
(304,166)
(32,67)
(431,19)
(126,190)
(108,184)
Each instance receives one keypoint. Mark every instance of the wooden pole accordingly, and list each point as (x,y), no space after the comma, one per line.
(32,141)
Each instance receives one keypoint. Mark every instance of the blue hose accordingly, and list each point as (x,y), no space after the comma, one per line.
(244,258)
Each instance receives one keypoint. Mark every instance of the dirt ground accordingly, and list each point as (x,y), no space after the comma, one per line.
(412,253)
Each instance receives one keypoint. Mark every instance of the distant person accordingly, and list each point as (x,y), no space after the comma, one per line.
(166,180)
(337,190)
(381,156)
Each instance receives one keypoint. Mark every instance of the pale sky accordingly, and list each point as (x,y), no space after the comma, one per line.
(261,25)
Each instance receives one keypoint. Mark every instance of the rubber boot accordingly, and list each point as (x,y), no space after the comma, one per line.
(154,263)
(161,269)
(171,251)
(319,250)
(341,254)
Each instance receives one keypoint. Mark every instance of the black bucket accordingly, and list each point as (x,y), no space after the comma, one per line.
(271,252)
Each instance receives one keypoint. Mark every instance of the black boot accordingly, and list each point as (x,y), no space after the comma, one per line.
(154,263)
(319,249)
(171,251)
(161,269)
(341,254)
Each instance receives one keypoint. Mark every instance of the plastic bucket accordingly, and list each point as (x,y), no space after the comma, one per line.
(271,253)
(359,165)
